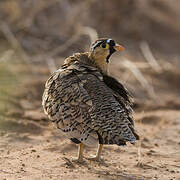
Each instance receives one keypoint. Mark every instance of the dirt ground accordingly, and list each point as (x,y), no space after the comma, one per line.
(31,148)
(34,151)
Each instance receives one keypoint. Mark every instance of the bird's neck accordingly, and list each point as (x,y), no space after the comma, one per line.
(100,63)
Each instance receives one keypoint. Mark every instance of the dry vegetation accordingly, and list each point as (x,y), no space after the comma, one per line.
(36,36)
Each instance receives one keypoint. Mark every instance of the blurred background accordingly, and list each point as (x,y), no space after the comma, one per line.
(36,37)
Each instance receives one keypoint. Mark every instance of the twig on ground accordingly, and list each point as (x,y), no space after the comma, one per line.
(4,171)
(140,146)
(139,153)
(68,162)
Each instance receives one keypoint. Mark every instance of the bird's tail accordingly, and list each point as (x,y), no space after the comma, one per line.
(119,137)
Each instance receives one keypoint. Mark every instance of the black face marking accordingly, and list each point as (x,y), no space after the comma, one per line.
(111,51)
(111,43)
(111,48)
(97,44)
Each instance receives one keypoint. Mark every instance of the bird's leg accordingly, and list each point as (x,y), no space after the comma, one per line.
(80,153)
(98,154)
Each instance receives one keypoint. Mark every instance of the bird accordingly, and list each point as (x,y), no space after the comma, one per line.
(88,105)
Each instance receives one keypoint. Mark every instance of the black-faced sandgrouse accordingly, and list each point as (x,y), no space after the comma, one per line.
(87,104)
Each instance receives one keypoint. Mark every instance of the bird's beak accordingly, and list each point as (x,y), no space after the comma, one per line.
(118,47)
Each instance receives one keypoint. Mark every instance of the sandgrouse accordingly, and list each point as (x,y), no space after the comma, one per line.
(87,104)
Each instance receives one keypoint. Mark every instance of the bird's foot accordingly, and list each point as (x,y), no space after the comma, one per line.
(78,160)
(95,158)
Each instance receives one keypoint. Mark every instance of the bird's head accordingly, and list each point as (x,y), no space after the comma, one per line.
(101,50)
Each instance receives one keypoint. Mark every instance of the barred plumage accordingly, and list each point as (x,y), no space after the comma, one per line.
(89,106)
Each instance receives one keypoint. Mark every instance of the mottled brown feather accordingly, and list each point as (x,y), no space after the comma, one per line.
(87,105)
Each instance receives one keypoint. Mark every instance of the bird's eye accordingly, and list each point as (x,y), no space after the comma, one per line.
(105,45)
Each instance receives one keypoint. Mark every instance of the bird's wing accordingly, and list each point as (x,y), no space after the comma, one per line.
(67,103)
(123,96)
(82,105)
(118,89)
(110,115)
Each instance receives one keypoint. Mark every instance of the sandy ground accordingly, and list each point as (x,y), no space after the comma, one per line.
(32,150)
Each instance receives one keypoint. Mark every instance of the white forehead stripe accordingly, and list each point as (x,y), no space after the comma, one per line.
(96,44)
(108,41)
